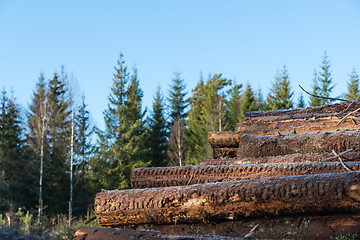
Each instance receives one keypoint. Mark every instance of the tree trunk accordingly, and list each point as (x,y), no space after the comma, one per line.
(334,110)
(224,152)
(261,146)
(96,233)
(181,176)
(319,193)
(297,157)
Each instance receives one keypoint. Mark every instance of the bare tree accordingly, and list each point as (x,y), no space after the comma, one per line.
(177,145)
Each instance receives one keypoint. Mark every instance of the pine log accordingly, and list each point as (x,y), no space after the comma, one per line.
(227,158)
(308,194)
(96,233)
(224,152)
(261,146)
(229,139)
(334,110)
(298,126)
(180,176)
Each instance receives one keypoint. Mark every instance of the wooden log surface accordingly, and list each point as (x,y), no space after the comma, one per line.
(223,157)
(229,139)
(97,233)
(298,125)
(180,176)
(260,146)
(332,110)
(318,193)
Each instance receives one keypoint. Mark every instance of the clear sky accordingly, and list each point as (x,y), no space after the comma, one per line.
(247,40)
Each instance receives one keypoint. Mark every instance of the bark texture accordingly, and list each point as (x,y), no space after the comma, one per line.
(260,146)
(229,139)
(225,152)
(334,110)
(318,193)
(95,233)
(226,158)
(181,176)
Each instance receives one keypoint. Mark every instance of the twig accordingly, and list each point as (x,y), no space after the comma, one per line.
(334,99)
(342,163)
(90,220)
(252,231)
(337,155)
(347,115)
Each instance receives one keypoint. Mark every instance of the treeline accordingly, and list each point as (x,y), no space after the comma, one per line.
(51,154)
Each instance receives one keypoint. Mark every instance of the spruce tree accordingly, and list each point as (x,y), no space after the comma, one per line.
(247,102)
(301,102)
(121,147)
(176,129)
(280,94)
(353,86)
(325,81)
(11,155)
(233,106)
(259,101)
(157,142)
(314,100)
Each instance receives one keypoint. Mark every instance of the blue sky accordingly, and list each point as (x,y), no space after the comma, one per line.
(245,40)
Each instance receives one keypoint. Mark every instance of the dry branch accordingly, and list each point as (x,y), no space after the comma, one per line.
(319,193)
(181,176)
(260,146)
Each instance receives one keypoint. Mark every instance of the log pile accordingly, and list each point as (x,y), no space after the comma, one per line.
(274,164)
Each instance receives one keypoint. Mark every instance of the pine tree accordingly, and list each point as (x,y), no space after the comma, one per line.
(280,94)
(325,81)
(177,98)
(233,106)
(259,101)
(315,101)
(121,147)
(11,154)
(353,86)
(247,102)
(157,143)
(301,102)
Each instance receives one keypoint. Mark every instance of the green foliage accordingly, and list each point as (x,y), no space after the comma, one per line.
(157,142)
(121,147)
(177,100)
(247,102)
(301,102)
(233,106)
(24,221)
(315,101)
(207,114)
(353,86)
(325,80)
(280,94)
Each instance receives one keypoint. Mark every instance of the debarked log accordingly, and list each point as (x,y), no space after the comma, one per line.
(332,110)
(317,142)
(96,233)
(226,157)
(298,126)
(318,193)
(181,176)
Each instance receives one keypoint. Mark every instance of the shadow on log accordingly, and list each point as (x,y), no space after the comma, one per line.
(319,193)
(181,176)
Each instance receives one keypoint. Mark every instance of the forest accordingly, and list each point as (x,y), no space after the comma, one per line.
(54,160)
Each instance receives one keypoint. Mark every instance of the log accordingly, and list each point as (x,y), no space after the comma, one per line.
(308,194)
(224,152)
(298,125)
(227,159)
(97,233)
(261,146)
(337,110)
(229,139)
(180,176)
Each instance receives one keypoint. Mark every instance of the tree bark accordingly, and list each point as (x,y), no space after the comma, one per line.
(333,110)
(181,176)
(319,193)
(261,146)
(96,233)
(228,139)
(225,157)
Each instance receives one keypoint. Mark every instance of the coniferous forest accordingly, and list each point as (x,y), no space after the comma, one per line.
(54,160)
